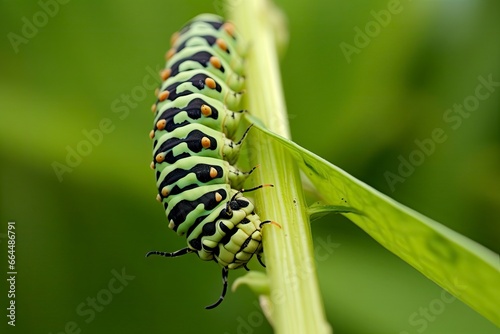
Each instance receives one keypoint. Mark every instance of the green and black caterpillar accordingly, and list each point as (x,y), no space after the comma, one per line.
(194,150)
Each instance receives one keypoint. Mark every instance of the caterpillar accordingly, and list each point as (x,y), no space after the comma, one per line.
(194,149)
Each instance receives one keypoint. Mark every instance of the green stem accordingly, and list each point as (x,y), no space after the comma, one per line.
(295,301)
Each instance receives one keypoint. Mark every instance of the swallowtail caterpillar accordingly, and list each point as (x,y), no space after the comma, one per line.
(194,149)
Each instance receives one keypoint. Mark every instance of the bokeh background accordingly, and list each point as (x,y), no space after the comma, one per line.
(93,64)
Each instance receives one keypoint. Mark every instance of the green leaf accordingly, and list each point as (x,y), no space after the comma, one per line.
(461,266)
(319,210)
(257,281)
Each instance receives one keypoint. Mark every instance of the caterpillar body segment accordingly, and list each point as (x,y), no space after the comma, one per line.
(197,108)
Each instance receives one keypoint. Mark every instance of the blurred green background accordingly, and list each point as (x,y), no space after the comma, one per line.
(93,64)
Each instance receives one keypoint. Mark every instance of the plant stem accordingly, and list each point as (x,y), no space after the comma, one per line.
(295,301)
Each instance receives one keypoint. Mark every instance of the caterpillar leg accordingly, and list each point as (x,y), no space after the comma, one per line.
(177,253)
(244,135)
(259,255)
(256,188)
(237,177)
(259,258)
(230,148)
(229,210)
(225,272)
(251,189)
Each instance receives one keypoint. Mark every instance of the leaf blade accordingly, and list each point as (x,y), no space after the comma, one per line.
(461,266)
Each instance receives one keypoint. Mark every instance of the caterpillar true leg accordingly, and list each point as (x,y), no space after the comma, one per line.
(225,273)
(177,253)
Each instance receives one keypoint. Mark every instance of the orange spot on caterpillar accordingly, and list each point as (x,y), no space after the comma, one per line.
(153,108)
(206,110)
(170,53)
(205,142)
(215,62)
(160,157)
(218,197)
(229,28)
(161,124)
(174,38)
(152,165)
(163,95)
(210,83)
(165,74)
(213,172)
(221,44)
(164,192)
(152,134)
